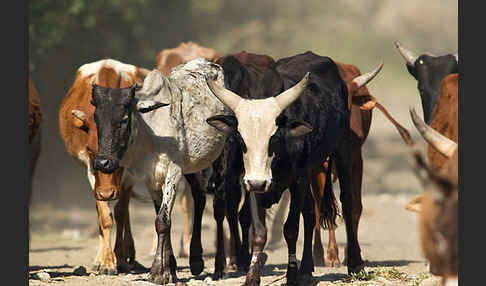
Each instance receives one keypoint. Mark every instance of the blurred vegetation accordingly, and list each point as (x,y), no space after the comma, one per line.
(65,34)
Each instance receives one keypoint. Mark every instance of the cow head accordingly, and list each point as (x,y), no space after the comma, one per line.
(113,116)
(438,206)
(257,127)
(428,70)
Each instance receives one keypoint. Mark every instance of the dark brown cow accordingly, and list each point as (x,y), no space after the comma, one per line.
(35,120)
(360,125)
(438,206)
(165,61)
(78,131)
(185,52)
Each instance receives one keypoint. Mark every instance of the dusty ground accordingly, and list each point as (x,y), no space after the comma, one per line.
(388,235)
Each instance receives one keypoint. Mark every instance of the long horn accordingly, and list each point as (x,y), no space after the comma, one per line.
(442,144)
(290,95)
(457,56)
(226,96)
(367,77)
(409,56)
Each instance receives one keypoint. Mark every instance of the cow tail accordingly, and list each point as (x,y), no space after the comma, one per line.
(328,208)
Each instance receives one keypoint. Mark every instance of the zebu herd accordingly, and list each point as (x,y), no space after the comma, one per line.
(246,127)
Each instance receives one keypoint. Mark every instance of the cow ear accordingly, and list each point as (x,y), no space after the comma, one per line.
(364,102)
(79,119)
(144,106)
(227,124)
(299,128)
(415,204)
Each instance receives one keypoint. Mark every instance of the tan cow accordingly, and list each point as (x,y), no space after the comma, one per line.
(78,131)
(185,52)
(438,206)
(165,61)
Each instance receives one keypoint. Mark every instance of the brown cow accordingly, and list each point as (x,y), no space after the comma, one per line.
(35,120)
(438,206)
(166,60)
(360,125)
(78,131)
(185,52)
(445,118)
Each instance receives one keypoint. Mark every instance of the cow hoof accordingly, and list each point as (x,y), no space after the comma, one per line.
(252,282)
(196,265)
(107,271)
(262,258)
(319,260)
(333,263)
(161,278)
(292,274)
(217,275)
(305,278)
(356,269)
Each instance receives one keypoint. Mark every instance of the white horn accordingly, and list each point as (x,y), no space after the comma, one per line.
(409,56)
(78,114)
(226,96)
(442,144)
(290,95)
(367,77)
(457,56)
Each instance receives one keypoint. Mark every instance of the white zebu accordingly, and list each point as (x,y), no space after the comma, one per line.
(163,144)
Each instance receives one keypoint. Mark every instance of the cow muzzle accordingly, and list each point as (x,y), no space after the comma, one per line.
(107,186)
(255,185)
(106,164)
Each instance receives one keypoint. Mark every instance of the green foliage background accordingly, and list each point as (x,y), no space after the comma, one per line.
(64,34)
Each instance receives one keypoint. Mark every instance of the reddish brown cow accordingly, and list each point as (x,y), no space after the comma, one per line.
(78,131)
(438,206)
(165,61)
(185,52)
(35,119)
(360,125)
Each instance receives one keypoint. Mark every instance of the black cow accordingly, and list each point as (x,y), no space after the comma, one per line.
(285,130)
(429,70)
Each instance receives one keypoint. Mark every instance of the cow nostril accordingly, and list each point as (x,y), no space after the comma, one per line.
(257,185)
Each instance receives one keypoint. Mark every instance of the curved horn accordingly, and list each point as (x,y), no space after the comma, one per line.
(409,56)
(367,77)
(290,95)
(226,96)
(442,144)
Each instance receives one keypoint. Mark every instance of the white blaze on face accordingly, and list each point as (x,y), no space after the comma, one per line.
(256,124)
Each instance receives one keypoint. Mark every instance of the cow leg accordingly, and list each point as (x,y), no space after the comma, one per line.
(349,203)
(308,213)
(196,262)
(124,245)
(105,262)
(332,258)
(317,183)
(219,207)
(245,223)
(259,240)
(278,221)
(164,266)
(233,191)
(187,206)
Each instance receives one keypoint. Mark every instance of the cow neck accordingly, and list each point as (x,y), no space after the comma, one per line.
(140,143)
